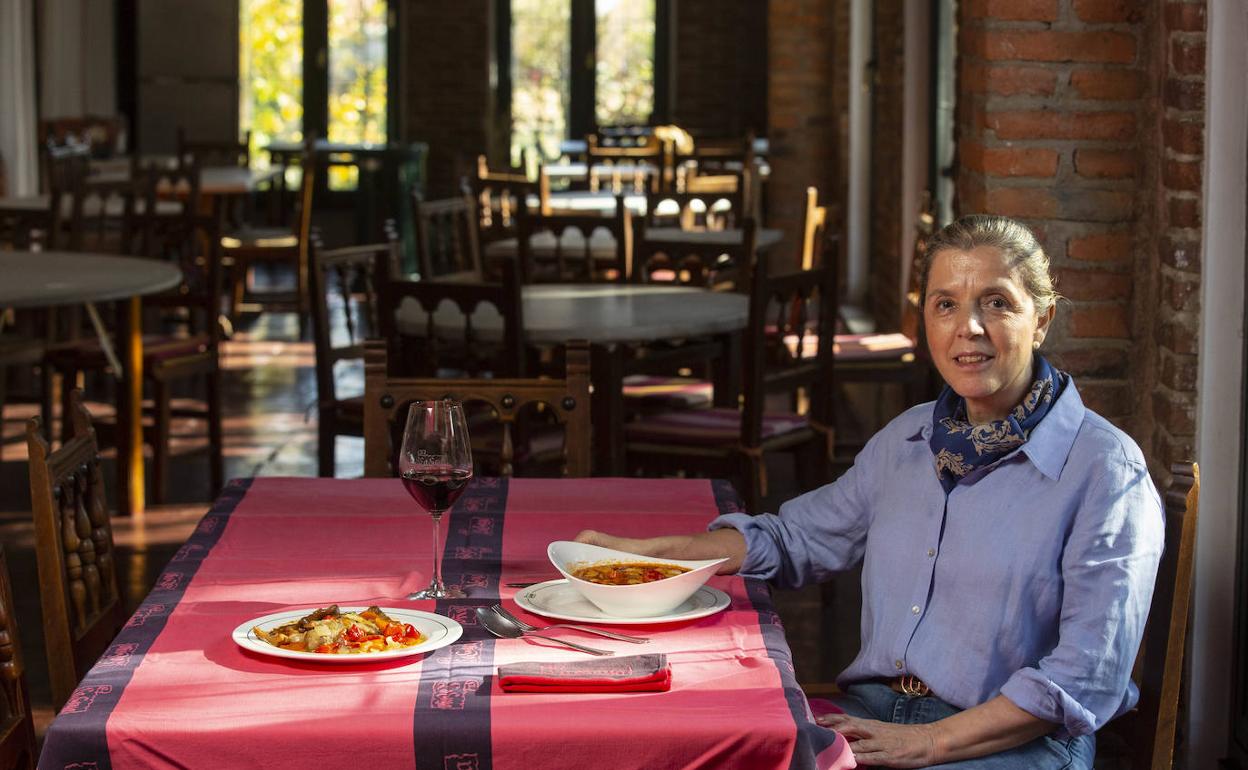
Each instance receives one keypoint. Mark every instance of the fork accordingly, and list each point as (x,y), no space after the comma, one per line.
(587,629)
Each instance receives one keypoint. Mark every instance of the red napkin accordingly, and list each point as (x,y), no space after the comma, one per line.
(635,673)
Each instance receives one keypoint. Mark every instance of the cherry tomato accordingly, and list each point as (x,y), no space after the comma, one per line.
(409,631)
(354,634)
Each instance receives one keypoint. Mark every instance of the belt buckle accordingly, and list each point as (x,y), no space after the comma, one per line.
(913,686)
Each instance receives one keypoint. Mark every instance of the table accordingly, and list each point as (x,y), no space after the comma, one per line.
(174,690)
(46,278)
(584,201)
(602,242)
(612,317)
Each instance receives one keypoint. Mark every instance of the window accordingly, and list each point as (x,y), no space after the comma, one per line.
(315,66)
(579,64)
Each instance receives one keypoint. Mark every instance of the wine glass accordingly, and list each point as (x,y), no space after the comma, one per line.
(435,465)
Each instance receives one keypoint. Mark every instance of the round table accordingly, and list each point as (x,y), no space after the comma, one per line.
(611,317)
(48,278)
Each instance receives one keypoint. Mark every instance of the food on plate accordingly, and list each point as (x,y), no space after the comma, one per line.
(627,574)
(333,632)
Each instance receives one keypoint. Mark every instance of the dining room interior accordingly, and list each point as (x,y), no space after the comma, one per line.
(667,257)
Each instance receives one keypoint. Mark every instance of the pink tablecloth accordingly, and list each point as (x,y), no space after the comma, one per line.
(174,690)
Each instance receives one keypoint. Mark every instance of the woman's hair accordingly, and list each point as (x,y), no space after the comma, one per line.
(1022,251)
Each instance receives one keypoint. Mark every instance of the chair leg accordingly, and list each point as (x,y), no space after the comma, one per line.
(324,447)
(752,481)
(216,449)
(162,416)
(69,381)
(46,381)
(240,286)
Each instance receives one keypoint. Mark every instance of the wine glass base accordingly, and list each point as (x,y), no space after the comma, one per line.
(437,592)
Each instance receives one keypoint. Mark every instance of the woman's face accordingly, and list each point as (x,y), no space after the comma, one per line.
(982,327)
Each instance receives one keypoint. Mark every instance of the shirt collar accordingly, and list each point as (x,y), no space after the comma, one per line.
(1050,442)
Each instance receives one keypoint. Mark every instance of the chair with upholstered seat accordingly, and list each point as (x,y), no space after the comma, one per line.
(784,311)
(17,731)
(344,286)
(82,609)
(249,246)
(565,401)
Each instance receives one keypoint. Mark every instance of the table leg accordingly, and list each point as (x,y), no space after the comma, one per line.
(130,475)
(726,370)
(607,409)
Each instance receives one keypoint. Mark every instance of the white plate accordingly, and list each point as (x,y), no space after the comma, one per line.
(438,630)
(556,599)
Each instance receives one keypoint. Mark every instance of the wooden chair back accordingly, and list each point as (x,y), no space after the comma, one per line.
(82,609)
(446,235)
(17,730)
(24,229)
(814,222)
(214,153)
(64,165)
(629,164)
(102,217)
(386,400)
(695,262)
(344,286)
(450,338)
(790,313)
(1147,732)
(912,308)
(706,210)
(498,199)
(570,263)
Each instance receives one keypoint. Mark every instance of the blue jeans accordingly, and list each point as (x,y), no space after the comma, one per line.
(874,700)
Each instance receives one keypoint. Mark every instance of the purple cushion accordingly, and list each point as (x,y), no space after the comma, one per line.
(706,426)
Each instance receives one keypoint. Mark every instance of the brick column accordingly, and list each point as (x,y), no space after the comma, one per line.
(1051,96)
(1178,256)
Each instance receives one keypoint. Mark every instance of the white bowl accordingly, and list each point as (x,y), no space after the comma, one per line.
(636,601)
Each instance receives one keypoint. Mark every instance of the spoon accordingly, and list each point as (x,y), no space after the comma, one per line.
(503,628)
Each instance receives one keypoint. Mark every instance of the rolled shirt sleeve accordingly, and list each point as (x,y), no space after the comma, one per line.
(815,534)
(1108,568)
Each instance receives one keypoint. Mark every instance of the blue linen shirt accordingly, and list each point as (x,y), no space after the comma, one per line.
(1032,579)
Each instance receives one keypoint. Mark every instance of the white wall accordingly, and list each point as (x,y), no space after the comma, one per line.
(1221,380)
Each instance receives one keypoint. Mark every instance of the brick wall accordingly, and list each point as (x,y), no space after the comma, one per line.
(1179,133)
(720,67)
(804,129)
(1083,118)
(447,100)
(1051,100)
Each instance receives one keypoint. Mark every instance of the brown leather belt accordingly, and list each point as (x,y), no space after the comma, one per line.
(910,685)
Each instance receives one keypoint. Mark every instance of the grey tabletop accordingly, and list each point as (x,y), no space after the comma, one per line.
(600,313)
(602,243)
(43,278)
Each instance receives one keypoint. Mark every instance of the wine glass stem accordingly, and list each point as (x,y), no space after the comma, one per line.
(436,584)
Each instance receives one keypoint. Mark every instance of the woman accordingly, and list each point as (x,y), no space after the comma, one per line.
(1009,537)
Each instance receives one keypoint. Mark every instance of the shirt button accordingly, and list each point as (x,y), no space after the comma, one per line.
(915,609)
(898,664)
(931,551)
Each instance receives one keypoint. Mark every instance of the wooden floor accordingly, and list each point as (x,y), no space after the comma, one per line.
(270,430)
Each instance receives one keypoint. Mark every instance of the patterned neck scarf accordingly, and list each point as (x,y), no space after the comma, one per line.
(960,447)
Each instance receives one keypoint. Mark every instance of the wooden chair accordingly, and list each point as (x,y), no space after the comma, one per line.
(446,235)
(734,442)
(498,199)
(696,262)
(82,610)
(643,156)
(186,345)
(450,340)
(565,400)
(274,245)
(344,287)
(17,730)
(214,153)
(1146,734)
(561,248)
(694,210)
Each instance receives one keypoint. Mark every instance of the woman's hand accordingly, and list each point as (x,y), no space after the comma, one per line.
(703,545)
(883,744)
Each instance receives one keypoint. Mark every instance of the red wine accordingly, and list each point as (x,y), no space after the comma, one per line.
(436,489)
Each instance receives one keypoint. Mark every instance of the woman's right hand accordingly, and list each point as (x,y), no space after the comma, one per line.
(704,545)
